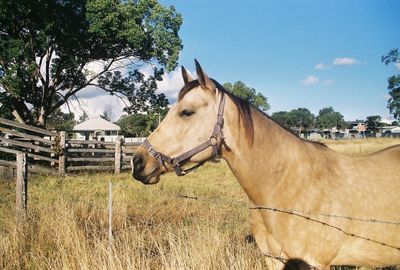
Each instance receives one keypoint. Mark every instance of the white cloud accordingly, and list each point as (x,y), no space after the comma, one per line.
(386,96)
(310,80)
(344,61)
(171,84)
(95,101)
(95,106)
(328,82)
(321,66)
(397,65)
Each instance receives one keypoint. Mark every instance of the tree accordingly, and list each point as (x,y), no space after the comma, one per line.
(282,118)
(328,118)
(301,119)
(6,109)
(393,83)
(61,121)
(136,125)
(48,50)
(249,94)
(373,123)
(83,117)
(145,99)
(106,116)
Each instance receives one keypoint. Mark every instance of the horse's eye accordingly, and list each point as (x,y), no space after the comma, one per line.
(186,113)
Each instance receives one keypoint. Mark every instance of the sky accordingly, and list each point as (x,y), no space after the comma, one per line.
(310,54)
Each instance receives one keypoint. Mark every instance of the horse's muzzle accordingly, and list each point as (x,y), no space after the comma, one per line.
(145,173)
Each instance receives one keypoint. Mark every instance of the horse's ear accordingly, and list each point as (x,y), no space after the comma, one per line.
(203,78)
(186,76)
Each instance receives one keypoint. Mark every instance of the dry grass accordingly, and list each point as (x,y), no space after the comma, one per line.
(356,147)
(154,226)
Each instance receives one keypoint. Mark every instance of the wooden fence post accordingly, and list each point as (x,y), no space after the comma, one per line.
(118,155)
(21,185)
(63,153)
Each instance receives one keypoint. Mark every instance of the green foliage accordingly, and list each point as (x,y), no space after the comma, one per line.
(393,84)
(5,108)
(249,94)
(300,119)
(143,96)
(282,118)
(46,46)
(328,118)
(138,125)
(61,121)
(373,123)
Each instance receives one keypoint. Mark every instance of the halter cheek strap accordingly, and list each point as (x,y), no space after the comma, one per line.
(177,162)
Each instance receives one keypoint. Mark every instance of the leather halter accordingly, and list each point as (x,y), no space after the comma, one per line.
(177,162)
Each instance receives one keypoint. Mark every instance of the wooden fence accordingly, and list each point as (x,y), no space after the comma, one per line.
(54,152)
(40,146)
(97,155)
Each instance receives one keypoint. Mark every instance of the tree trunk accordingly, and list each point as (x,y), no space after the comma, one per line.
(42,117)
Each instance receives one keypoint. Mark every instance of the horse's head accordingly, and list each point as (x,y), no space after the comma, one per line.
(189,132)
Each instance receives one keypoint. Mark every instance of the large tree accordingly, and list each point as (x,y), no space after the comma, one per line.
(393,83)
(51,49)
(374,122)
(282,117)
(298,120)
(137,125)
(249,94)
(61,121)
(301,119)
(328,118)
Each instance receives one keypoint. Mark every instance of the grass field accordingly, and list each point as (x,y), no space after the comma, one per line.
(195,222)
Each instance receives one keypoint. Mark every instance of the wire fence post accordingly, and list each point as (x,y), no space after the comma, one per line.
(21,186)
(63,153)
(118,155)
(110,236)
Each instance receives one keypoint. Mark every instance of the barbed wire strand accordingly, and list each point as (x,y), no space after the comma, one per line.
(302,214)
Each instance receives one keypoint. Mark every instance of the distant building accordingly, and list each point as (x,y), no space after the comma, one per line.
(96,129)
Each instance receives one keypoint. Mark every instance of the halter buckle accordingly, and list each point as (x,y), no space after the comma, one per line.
(153,152)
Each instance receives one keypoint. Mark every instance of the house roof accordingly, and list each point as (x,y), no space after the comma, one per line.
(96,124)
(396,130)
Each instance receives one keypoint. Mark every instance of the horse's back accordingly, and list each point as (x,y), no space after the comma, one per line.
(391,151)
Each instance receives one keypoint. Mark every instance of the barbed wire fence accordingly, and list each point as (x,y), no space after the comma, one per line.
(107,207)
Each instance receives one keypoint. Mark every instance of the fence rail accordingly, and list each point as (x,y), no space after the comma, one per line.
(54,152)
(27,127)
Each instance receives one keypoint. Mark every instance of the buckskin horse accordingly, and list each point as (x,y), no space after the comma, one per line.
(347,209)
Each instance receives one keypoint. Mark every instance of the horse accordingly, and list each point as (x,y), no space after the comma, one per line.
(307,201)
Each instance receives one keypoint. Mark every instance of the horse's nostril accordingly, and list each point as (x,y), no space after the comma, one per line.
(137,161)
(137,164)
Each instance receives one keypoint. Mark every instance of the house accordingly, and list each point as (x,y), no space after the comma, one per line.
(356,130)
(391,131)
(96,129)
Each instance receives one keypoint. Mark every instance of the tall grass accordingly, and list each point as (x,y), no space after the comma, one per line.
(357,147)
(154,227)
(195,222)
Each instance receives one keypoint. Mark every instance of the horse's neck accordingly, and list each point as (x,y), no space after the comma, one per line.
(259,168)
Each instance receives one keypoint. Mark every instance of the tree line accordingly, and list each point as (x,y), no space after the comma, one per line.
(302,120)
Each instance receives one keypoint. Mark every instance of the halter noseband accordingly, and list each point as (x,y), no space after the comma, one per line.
(212,142)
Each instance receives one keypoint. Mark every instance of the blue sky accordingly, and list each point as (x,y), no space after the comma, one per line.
(310,54)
